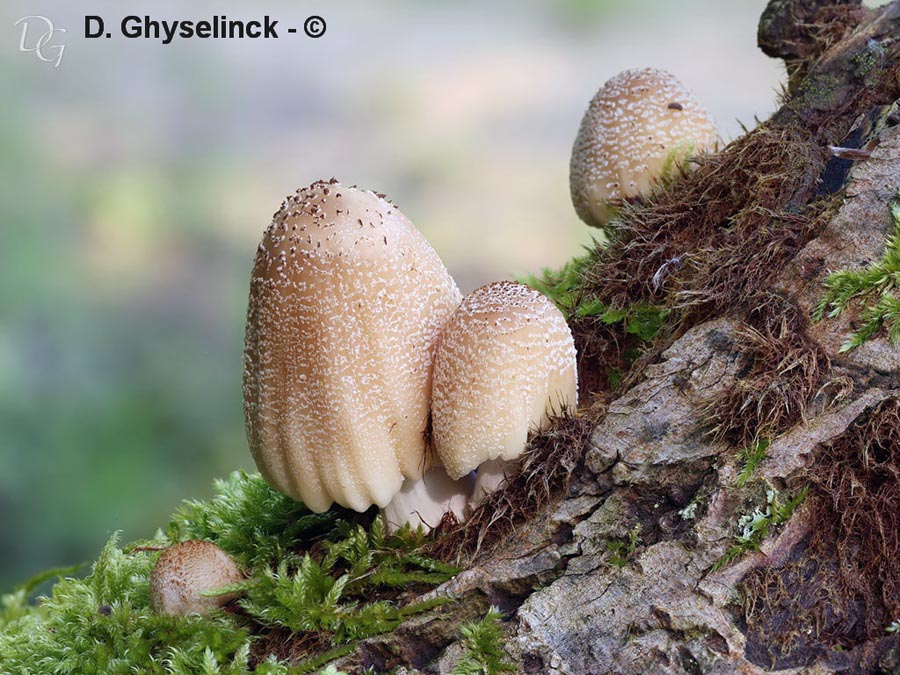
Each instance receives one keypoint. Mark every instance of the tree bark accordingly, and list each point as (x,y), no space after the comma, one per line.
(623,573)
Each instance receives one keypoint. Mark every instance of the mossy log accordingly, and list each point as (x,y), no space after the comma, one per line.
(731,505)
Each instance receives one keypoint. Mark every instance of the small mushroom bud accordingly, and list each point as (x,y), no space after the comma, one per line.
(186,570)
(640,125)
(505,362)
(347,300)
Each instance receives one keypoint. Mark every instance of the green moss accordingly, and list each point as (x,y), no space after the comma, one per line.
(329,596)
(621,550)
(250,521)
(484,647)
(875,286)
(819,93)
(15,605)
(867,62)
(751,457)
(562,286)
(613,377)
(754,527)
(328,575)
(103,625)
(565,287)
(641,319)
(674,161)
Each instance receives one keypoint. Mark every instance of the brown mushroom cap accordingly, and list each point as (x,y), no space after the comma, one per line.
(505,361)
(187,569)
(639,124)
(347,299)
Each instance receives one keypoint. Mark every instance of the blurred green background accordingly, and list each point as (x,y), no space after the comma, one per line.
(137,179)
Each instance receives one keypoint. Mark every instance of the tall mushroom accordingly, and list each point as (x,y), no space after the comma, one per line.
(638,126)
(347,299)
(504,364)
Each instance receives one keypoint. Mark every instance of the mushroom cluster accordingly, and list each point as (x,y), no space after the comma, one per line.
(347,300)
(639,126)
(350,309)
(369,380)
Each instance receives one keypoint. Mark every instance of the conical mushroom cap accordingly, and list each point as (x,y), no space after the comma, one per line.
(184,571)
(505,361)
(639,124)
(347,299)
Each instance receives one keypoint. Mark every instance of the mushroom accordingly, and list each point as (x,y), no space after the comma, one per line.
(639,125)
(347,300)
(186,570)
(505,363)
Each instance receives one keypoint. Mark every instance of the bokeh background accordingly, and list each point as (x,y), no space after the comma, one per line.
(137,179)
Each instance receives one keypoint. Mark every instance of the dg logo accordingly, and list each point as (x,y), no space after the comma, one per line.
(38,36)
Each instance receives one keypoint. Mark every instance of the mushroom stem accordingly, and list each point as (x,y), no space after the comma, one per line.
(425,501)
(490,476)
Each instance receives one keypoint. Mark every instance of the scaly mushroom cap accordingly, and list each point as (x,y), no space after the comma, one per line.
(187,569)
(505,361)
(639,125)
(347,299)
